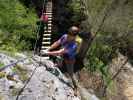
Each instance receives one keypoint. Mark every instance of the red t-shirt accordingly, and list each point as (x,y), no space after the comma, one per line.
(44,18)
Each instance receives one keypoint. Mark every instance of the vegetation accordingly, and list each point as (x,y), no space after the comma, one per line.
(112,37)
(17,25)
(18,19)
(74,7)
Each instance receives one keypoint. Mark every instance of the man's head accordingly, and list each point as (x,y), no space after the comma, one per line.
(73,32)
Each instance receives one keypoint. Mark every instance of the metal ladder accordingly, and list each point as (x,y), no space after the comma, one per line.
(46,41)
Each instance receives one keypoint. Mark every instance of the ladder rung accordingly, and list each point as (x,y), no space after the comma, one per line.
(46,34)
(49,28)
(46,38)
(49,24)
(48,9)
(49,31)
(49,21)
(49,5)
(48,13)
(49,18)
(45,47)
(45,42)
(44,58)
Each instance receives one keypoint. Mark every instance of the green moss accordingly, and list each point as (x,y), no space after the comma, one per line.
(8,53)
(23,73)
(112,88)
(15,91)
(2,74)
(1,64)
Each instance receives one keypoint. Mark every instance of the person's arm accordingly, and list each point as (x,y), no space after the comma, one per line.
(54,45)
(57,53)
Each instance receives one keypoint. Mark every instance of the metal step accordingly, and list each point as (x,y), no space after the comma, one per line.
(49,28)
(49,18)
(49,3)
(43,43)
(48,9)
(48,13)
(49,24)
(49,21)
(46,34)
(44,58)
(48,31)
(46,38)
(45,47)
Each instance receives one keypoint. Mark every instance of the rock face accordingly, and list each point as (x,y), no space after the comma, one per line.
(124,80)
(43,84)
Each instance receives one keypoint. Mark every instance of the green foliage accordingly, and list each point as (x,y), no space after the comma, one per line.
(16,25)
(100,55)
(2,74)
(103,50)
(75,8)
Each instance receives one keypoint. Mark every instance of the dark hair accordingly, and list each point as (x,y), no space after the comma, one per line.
(73,30)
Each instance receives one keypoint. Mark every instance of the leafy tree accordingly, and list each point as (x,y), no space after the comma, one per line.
(17,24)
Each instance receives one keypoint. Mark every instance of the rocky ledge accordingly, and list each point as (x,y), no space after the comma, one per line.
(41,84)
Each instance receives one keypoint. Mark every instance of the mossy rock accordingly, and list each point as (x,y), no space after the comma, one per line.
(1,65)
(15,91)
(2,74)
(22,72)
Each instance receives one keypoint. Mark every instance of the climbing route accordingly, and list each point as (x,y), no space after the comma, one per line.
(46,41)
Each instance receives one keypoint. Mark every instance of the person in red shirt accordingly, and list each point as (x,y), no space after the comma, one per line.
(42,26)
(44,18)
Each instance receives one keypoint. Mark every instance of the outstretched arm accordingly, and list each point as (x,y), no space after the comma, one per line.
(57,53)
(54,45)
(57,43)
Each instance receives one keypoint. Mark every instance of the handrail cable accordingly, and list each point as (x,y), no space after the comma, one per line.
(22,89)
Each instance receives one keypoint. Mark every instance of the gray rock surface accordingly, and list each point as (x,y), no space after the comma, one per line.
(44,85)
